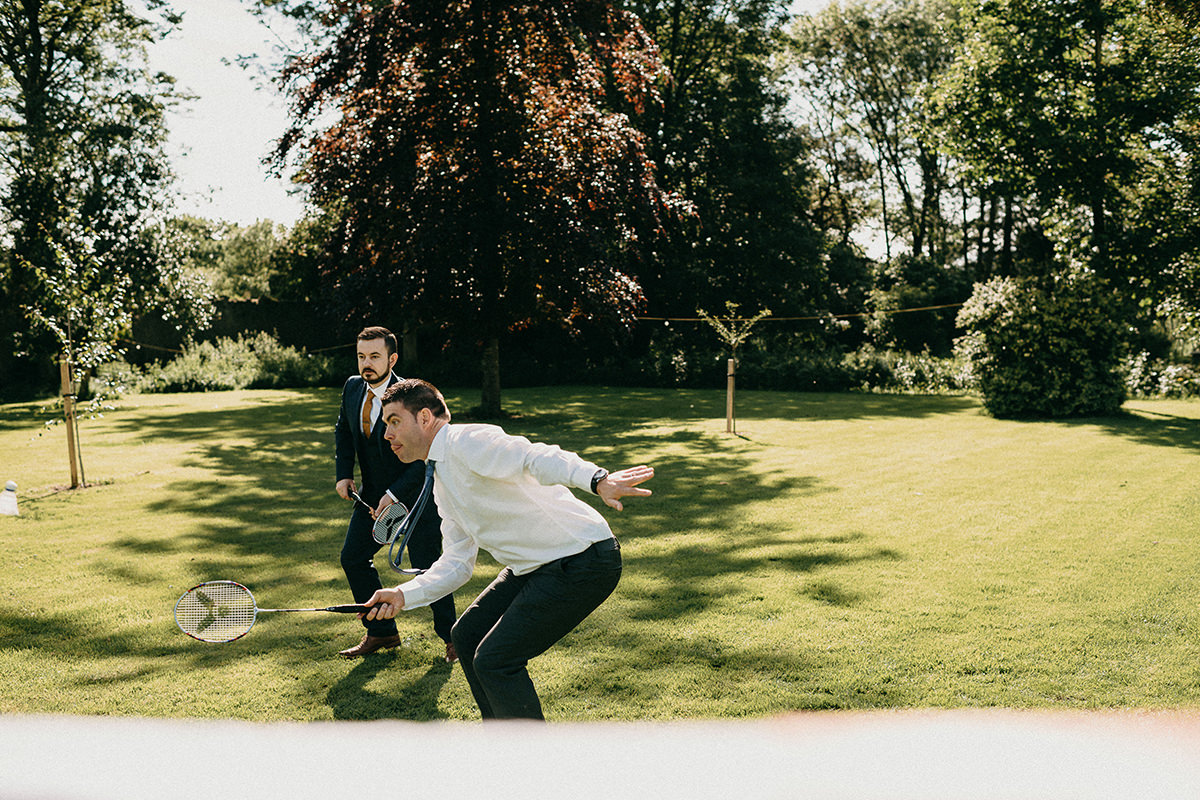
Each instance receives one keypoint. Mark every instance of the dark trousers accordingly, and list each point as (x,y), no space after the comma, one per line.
(519,617)
(358,562)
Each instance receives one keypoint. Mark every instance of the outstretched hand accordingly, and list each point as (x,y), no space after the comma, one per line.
(624,484)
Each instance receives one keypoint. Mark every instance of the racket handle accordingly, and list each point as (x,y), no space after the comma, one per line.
(350,608)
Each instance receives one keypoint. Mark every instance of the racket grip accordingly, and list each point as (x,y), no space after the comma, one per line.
(350,608)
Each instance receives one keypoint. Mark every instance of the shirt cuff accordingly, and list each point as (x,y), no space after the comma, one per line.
(581,476)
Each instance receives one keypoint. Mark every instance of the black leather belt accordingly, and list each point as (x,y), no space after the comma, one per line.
(605,546)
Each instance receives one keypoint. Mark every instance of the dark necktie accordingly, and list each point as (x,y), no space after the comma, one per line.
(396,550)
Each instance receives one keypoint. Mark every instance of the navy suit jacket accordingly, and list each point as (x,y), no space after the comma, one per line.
(381,470)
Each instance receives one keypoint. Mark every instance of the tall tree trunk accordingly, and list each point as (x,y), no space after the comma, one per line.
(489,395)
(490,259)
(408,349)
(887,236)
(966,229)
(1100,127)
(987,233)
(1006,256)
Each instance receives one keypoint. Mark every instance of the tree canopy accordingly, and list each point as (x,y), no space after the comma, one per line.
(83,179)
(480,174)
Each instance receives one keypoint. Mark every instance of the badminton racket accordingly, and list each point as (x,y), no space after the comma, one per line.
(221,611)
(387,530)
(387,524)
(397,542)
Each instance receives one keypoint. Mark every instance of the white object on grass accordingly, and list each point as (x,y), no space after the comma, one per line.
(8,500)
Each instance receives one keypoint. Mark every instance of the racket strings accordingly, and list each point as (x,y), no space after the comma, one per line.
(388,523)
(216,612)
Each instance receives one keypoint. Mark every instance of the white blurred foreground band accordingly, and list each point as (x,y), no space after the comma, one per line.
(901,754)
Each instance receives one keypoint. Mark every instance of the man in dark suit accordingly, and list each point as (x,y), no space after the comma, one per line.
(358,436)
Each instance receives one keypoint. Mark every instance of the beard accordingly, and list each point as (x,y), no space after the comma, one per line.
(371,376)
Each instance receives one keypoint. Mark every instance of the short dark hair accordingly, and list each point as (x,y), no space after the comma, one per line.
(415,394)
(379,332)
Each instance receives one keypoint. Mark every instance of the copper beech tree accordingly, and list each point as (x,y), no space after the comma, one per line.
(480,163)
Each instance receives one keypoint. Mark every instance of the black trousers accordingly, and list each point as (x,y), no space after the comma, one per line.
(358,562)
(519,617)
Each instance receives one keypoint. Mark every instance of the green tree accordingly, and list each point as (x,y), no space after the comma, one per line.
(197,244)
(1064,104)
(481,178)
(722,140)
(247,264)
(242,262)
(82,179)
(1084,112)
(296,264)
(863,72)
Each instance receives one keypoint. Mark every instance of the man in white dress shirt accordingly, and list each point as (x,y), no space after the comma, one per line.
(513,498)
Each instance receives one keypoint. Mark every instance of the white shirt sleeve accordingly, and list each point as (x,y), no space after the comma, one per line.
(453,569)
(495,454)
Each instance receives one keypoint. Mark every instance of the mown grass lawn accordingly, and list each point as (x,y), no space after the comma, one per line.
(842,551)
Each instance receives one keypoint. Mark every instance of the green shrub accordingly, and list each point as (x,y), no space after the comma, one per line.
(900,371)
(804,361)
(908,282)
(258,362)
(1043,351)
(793,361)
(670,360)
(207,366)
(1146,376)
(285,367)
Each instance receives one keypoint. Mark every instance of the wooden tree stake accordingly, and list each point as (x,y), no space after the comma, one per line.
(68,395)
(730,426)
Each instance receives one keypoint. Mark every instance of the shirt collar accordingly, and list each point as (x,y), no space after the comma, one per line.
(378,392)
(437,448)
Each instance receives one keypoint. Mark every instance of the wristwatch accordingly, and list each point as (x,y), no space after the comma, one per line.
(600,475)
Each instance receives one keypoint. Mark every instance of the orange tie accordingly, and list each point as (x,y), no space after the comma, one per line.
(366,415)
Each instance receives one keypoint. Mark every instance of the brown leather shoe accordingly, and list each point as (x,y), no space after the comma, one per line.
(451,653)
(370,644)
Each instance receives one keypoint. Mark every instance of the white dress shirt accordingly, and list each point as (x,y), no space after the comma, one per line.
(509,496)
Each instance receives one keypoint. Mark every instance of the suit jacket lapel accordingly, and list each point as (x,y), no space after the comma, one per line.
(356,412)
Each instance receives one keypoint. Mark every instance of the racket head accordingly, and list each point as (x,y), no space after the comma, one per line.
(216,611)
(387,524)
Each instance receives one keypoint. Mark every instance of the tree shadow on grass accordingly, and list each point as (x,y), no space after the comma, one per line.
(576,405)
(271,490)
(30,416)
(351,699)
(1146,426)
(74,639)
(103,658)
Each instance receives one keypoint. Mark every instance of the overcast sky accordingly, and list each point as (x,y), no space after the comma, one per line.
(218,140)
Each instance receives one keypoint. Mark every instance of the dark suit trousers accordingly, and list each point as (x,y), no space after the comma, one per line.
(358,562)
(519,617)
